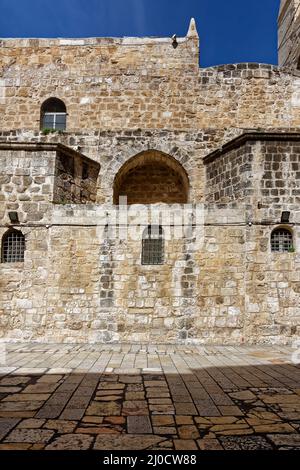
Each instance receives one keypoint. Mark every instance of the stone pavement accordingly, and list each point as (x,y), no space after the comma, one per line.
(154,397)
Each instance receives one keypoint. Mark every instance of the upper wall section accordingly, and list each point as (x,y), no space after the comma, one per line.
(137,83)
(101,80)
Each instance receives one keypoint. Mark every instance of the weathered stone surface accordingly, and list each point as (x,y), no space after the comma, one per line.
(126,442)
(290,440)
(71,442)
(29,435)
(245,443)
(61,426)
(104,409)
(6,424)
(31,423)
(79,285)
(139,425)
(185,444)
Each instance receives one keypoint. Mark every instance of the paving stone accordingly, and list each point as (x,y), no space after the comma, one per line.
(71,442)
(6,425)
(135,408)
(208,410)
(50,378)
(185,444)
(72,413)
(155,394)
(160,401)
(139,425)
(108,398)
(61,426)
(185,409)
(20,405)
(161,430)
(31,423)
(162,409)
(115,420)
(108,393)
(19,446)
(126,442)
(135,388)
(29,435)
(7,389)
(156,384)
(100,429)
(291,440)
(274,428)
(12,380)
(281,399)
(245,443)
(134,396)
(230,411)
(92,419)
(110,386)
(27,397)
(188,432)
(17,414)
(49,411)
(104,409)
(245,395)
(130,379)
(209,444)
(184,420)
(161,420)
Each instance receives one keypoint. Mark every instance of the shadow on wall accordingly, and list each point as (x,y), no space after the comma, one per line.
(152,177)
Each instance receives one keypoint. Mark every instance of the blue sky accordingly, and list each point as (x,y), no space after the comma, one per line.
(230,30)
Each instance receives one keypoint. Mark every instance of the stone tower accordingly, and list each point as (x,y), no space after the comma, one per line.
(289,34)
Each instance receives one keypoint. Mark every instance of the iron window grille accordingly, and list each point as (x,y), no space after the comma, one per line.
(153,246)
(281,240)
(13,247)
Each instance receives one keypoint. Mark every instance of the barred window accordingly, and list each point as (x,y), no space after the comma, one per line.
(53,115)
(153,245)
(13,247)
(281,240)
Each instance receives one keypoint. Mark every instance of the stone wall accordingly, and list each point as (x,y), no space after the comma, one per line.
(75,179)
(108,84)
(79,285)
(144,120)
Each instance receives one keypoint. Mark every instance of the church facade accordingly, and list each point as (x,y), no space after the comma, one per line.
(146,199)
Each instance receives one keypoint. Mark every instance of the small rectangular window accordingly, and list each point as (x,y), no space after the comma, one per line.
(153,246)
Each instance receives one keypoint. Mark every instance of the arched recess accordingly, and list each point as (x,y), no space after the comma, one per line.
(152,177)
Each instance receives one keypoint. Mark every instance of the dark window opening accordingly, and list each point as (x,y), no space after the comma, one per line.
(153,245)
(85,171)
(13,247)
(54,115)
(281,240)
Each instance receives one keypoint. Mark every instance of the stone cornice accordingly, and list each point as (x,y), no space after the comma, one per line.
(253,137)
(44,147)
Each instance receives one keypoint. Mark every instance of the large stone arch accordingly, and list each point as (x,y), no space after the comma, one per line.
(170,149)
(151,177)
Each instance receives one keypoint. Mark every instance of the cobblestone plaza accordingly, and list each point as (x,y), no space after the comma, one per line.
(149,397)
